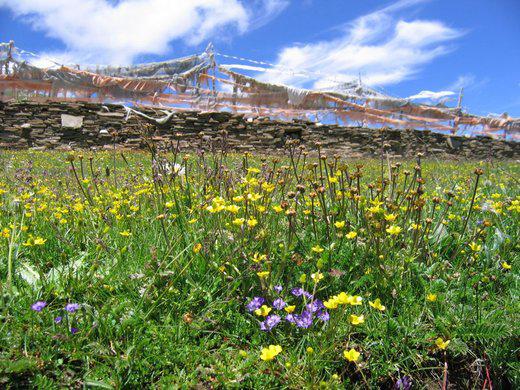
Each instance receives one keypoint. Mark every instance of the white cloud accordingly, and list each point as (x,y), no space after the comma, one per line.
(381,47)
(431,95)
(101,31)
(463,81)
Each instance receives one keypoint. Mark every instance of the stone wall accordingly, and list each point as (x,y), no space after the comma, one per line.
(87,125)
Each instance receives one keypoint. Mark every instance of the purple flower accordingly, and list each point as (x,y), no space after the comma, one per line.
(38,306)
(279,304)
(74,330)
(270,322)
(404,383)
(278,289)
(255,303)
(58,319)
(304,320)
(323,315)
(315,306)
(72,307)
(290,318)
(297,292)
(307,295)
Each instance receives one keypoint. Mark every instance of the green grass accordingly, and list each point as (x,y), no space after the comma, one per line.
(165,305)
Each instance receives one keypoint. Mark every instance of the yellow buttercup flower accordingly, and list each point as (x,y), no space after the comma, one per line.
(263,311)
(339,224)
(475,247)
(239,221)
(290,309)
(351,355)
(233,208)
(441,344)
(355,300)
(506,266)
(317,249)
(270,352)
(125,233)
(39,241)
(331,303)
(431,297)
(317,277)
(393,230)
(377,305)
(197,247)
(357,320)
(263,274)
(390,217)
(252,222)
(351,235)
(257,258)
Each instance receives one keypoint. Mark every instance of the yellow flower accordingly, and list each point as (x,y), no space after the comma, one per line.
(317,277)
(257,258)
(355,300)
(277,209)
(168,205)
(310,350)
(431,297)
(192,221)
(343,298)
(263,274)
(506,266)
(233,208)
(441,344)
(339,224)
(270,353)
(331,303)
(475,247)
(6,233)
(317,249)
(351,235)
(79,207)
(263,311)
(242,353)
(125,233)
(290,309)
(377,305)
(357,320)
(393,230)
(390,217)
(252,222)
(197,247)
(39,241)
(239,221)
(351,355)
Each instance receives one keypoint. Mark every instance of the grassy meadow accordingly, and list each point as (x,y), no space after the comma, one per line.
(216,270)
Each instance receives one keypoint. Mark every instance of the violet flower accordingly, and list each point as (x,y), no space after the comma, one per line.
(255,303)
(304,320)
(38,306)
(278,289)
(404,383)
(72,307)
(323,315)
(58,319)
(270,322)
(315,306)
(279,304)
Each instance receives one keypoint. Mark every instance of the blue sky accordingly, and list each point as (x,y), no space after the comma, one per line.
(401,47)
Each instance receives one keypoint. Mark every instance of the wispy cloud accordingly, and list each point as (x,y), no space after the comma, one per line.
(104,31)
(381,46)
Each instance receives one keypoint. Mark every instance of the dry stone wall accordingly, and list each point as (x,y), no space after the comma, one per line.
(67,125)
